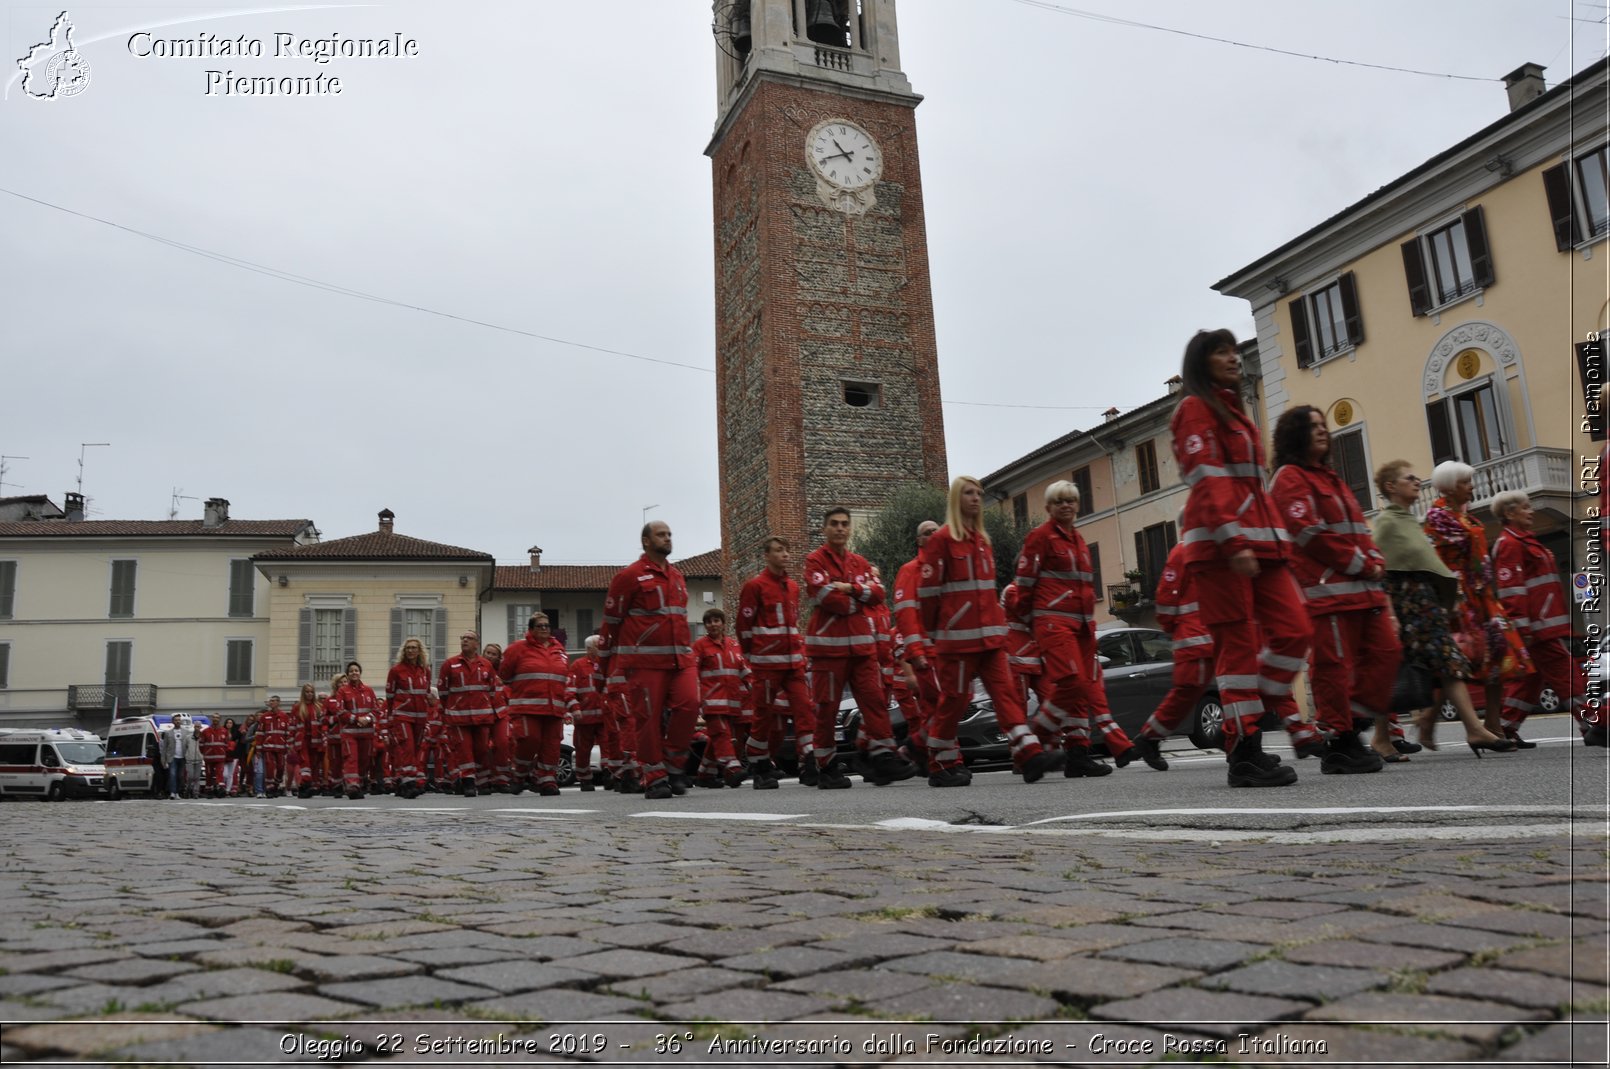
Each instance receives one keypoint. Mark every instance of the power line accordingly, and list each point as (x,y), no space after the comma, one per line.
(347,291)
(1113,20)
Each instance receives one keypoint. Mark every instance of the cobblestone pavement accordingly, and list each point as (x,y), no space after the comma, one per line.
(274,935)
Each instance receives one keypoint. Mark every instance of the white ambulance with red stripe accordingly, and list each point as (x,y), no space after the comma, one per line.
(52,764)
(134,753)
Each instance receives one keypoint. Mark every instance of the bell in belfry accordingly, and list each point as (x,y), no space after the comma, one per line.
(827,22)
(738,25)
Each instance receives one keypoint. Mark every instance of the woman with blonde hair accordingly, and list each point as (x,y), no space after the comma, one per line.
(962,616)
(408,702)
(306,738)
(1423,589)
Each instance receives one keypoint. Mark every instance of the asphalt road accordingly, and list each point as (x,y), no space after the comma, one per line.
(1448,793)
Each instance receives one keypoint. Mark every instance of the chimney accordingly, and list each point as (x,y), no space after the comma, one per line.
(1174,383)
(215,512)
(1109,415)
(1524,84)
(75,507)
(386,516)
(536,558)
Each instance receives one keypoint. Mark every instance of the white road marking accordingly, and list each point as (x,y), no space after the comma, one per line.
(1301,811)
(528,812)
(684,815)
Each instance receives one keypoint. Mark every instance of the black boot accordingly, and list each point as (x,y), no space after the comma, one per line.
(765,776)
(948,777)
(832,778)
(1080,763)
(1150,750)
(894,767)
(1345,755)
(1249,766)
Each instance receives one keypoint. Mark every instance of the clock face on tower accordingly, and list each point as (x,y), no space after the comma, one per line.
(843,155)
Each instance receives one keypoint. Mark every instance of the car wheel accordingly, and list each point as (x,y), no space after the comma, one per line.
(1207,723)
(114,793)
(567,767)
(1448,712)
(54,792)
(1548,701)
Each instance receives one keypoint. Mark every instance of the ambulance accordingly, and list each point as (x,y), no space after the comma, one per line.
(134,754)
(52,764)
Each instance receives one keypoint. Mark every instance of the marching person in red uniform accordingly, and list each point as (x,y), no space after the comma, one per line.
(618,713)
(273,725)
(914,648)
(468,688)
(408,703)
(723,681)
(962,617)
(768,634)
(1536,601)
(1056,570)
(537,673)
(646,634)
(1178,614)
(307,742)
(1237,550)
(333,758)
(502,728)
(841,642)
(215,741)
(1356,651)
(438,753)
(360,712)
(585,701)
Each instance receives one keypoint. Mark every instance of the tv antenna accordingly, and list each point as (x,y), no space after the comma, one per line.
(3,460)
(82,446)
(178,496)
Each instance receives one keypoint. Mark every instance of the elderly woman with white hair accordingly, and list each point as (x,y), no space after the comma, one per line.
(1483,629)
(1529,586)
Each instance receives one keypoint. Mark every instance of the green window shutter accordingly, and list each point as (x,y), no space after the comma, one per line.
(349,636)
(122,602)
(396,631)
(304,647)
(5,663)
(8,588)
(439,636)
(1481,257)
(242,588)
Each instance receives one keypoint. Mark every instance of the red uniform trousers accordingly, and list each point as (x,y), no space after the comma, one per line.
(273,765)
(956,673)
(1192,678)
(472,746)
(295,762)
(719,754)
(1261,634)
(1073,694)
(665,708)
(357,758)
(1561,673)
(503,757)
(407,736)
(588,733)
(313,770)
(534,744)
(864,677)
(767,732)
(213,771)
(1355,664)
(618,710)
(380,770)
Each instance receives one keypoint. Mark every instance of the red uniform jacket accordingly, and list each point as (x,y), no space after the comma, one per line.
(723,676)
(467,687)
(646,618)
(908,612)
(332,715)
(961,612)
(584,696)
(1334,546)
(307,726)
(1228,509)
(408,691)
(272,727)
(841,625)
(1529,586)
(1055,573)
(214,743)
(1178,613)
(538,677)
(1022,652)
(768,623)
(360,712)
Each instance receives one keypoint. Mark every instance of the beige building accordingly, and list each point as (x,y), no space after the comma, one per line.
(1130,494)
(357,598)
(572,596)
(1445,315)
(156,615)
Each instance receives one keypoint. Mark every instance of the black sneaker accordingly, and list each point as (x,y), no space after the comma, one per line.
(1035,768)
(1081,764)
(1150,750)
(1253,774)
(948,777)
(657,791)
(893,766)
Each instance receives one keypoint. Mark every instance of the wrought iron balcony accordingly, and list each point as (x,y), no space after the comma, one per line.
(1537,472)
(92,696)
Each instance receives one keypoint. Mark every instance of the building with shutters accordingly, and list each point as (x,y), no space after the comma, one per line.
(154,615)
(572,596)
(358,598)
(1130,493)
(1454,312)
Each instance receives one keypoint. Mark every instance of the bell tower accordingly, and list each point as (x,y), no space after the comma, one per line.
(827,378)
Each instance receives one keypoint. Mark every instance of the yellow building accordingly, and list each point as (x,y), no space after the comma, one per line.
(358,598)
(1446,315)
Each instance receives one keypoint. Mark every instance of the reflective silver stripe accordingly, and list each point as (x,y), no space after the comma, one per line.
(1308,533)
(840,640)
(1194,640)
(1238,682)
(1027,662)
(1543,580)
(900,606)
(615,620)
(480,688)
(957,615)
(774,631)
(1223,471)
(1512,592)
(411,690)
(536,701)
(1077,577)
(723,703)
(669,610)
(967,584)
(716,673)
(1025,581)
(1553,621)
(653,650)
(1275,660)
(1179,610)
(1358,562)
(1231,530)
(927,592)
(1336,590)
(968,633)
(547,677)
(781,658)
(1078,617)
(1240,709)
(1273,687)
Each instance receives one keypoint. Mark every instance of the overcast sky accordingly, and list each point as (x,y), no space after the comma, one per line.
(539,166)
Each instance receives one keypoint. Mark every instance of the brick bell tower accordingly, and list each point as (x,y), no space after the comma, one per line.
(827,377)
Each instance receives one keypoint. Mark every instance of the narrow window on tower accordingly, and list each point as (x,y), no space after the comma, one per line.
(863,394)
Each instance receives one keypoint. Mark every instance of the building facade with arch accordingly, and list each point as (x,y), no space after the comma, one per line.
(1453,314)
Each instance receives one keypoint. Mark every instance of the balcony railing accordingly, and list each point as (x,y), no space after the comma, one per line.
(1540,470)
(83,697)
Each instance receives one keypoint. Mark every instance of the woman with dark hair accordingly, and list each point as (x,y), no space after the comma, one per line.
(1237,551)
(1356,650)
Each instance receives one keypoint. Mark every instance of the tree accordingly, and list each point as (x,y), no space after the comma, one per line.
(890,538)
